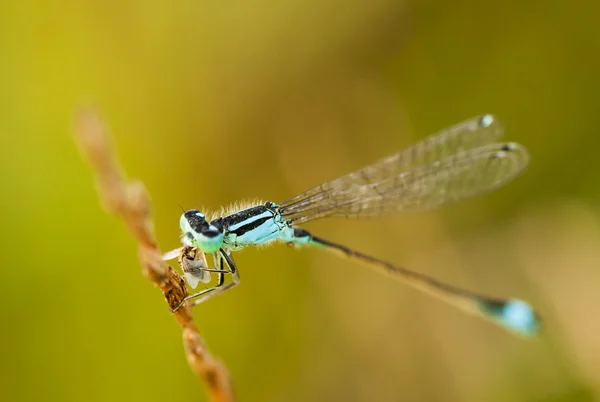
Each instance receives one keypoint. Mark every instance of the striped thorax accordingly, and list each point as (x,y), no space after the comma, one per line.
(256,225)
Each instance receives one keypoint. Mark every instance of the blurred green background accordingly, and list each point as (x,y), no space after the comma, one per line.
(210,103)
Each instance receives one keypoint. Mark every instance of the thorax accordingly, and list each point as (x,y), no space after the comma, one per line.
(256,225)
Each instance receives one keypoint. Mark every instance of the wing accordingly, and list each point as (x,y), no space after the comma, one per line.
(456,163)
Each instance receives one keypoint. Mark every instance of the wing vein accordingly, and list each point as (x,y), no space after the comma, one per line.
(456,163)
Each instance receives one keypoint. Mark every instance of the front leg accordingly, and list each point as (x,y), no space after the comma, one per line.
(219,288)
(206,294)
(195,268)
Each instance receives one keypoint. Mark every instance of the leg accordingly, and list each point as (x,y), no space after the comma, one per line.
(221,275)
(219,288)
(512,314)
(206,294)
(195,268)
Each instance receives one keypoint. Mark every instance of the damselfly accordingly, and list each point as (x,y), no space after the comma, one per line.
(459,162)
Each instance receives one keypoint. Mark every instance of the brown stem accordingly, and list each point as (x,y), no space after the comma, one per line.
(129,200)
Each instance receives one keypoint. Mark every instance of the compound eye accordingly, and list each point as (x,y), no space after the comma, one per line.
(196,221)
(189,235)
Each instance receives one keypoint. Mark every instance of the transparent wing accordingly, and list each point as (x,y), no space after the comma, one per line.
(454,164)
(469,134)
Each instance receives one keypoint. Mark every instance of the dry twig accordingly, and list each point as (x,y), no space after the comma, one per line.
(129,201)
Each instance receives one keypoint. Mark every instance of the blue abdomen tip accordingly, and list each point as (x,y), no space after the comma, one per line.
(515,315)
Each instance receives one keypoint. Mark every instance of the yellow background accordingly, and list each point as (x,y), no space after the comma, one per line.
(213,102)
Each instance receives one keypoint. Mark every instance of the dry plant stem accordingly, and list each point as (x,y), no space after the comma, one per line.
(129,201)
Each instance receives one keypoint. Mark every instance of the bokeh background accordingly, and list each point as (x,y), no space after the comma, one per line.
(212,102)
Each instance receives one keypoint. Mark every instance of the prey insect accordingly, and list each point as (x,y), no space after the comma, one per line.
(459,162)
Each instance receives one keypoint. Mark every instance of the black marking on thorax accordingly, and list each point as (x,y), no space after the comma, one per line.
(250,226)
(235,219)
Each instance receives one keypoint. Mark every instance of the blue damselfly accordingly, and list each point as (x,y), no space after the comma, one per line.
(461,161)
